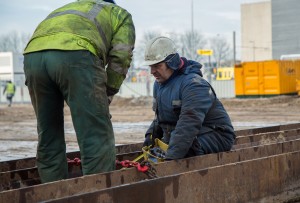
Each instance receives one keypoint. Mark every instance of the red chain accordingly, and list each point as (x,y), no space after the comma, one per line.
(129,164)
(125,163)
(76,162)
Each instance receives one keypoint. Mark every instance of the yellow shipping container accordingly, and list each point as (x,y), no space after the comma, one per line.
(298,87)
(266,78)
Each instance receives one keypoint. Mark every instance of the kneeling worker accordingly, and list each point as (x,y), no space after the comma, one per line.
(189,116)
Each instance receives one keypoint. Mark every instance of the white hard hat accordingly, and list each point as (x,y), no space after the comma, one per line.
(157,49)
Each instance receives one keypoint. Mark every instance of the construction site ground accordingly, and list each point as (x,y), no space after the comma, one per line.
(131,118)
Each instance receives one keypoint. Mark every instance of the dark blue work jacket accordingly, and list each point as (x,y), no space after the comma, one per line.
(187,107)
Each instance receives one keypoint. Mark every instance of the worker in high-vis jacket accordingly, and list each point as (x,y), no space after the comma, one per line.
(10,90)
(79,54)
(189,116)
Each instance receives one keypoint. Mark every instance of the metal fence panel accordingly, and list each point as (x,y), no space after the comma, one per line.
(223,89)
(136,89)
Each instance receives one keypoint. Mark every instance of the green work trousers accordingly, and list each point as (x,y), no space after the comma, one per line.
(79,78)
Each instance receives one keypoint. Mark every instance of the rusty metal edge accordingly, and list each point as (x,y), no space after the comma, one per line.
(129,176)
(254,140)
(235,182)
(18,178)
(30,161)
(267,129)
(242,138)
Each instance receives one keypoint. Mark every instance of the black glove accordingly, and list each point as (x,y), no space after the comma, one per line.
(110,98)
(111,91)
(148,140)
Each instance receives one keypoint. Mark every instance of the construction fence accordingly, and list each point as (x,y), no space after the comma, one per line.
(224,89)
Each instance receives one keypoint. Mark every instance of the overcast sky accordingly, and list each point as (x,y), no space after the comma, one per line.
(211,17)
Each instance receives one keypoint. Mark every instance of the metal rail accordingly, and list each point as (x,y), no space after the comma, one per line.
(23,177)
(93,183)
(116,179)
(276,143)
(31,162)
(269,179)
(29,176)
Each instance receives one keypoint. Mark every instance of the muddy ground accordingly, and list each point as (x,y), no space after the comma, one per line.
(132,116)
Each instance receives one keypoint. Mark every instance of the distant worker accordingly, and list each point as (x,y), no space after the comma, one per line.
(79,54)
(189,116)
(10,90)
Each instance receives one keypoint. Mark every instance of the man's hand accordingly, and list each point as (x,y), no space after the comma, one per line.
(148,140)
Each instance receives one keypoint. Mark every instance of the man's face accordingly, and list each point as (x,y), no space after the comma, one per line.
(161,72)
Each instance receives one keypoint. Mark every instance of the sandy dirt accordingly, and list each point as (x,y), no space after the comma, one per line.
(131,118)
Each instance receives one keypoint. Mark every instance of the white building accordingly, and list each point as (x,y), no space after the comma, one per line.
(270,30)
(11,68)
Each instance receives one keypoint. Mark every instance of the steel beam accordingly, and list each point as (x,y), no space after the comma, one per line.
(91,183)
(269,179)
(23,177)
(259,137)
(31,162)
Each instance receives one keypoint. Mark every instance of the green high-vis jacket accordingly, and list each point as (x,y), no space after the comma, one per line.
(10,88)
(104,29)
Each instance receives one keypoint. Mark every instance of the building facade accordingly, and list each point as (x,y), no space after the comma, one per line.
(270,30)
(11,68)
(285,27)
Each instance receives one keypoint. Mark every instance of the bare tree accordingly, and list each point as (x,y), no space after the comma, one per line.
(190,43)
(221,50)
(14,42)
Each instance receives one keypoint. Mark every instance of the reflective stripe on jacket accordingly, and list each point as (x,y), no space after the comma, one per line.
(104,29)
